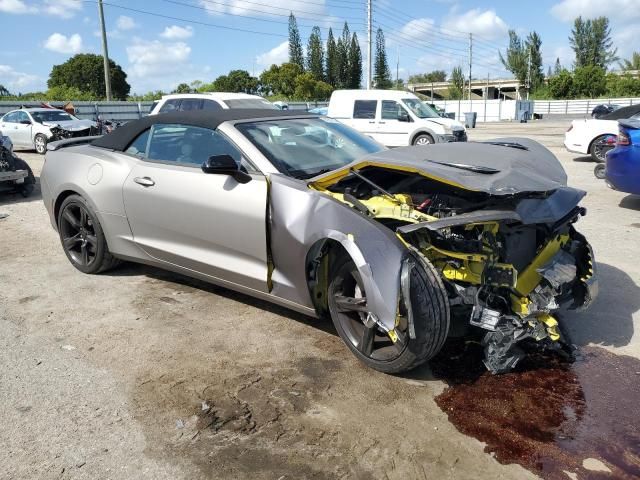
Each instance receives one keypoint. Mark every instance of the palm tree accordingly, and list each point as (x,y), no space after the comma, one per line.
(633,64)
(3,91)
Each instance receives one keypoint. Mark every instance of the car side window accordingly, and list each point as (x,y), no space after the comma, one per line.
(211,105)
(391,110)
(188,104)
(365,109)
(22,117)
(170,105)
(139,146)
(10,117)
(188,145)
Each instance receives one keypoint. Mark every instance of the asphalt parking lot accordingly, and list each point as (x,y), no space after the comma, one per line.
(141,373)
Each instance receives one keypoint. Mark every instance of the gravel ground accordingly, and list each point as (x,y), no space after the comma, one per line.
(141,373)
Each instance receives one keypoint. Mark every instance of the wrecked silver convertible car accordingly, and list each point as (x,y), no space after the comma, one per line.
(400,247)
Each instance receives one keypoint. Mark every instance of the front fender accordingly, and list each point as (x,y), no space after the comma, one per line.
(301,217)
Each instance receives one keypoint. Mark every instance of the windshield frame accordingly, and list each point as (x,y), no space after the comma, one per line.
(427,113)
(350,137)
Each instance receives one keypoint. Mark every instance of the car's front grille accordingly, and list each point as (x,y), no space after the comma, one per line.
(460,136)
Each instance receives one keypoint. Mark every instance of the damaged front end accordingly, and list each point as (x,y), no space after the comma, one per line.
(509,260)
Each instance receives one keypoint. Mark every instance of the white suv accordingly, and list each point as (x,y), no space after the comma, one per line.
(208,101)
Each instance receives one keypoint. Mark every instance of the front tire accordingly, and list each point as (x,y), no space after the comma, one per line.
(40,143)
(423,139)
(369,343)
(82,238)
(600,146)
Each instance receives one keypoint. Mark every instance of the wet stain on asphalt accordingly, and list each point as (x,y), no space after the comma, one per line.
(551,416)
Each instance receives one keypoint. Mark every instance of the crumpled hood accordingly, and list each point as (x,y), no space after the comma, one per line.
(506,170)
(71,125)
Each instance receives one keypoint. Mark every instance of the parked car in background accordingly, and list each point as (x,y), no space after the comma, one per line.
(394,118)
(596,137)
(603,109)
(622,171)
(319,110)
(30,128)
(212,101)
(305,212)
(15,173)
(440,111)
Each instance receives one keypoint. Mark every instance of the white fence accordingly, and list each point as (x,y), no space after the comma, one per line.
(487,110)
(578,107)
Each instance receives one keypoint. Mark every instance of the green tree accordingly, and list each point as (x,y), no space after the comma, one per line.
(557,68)
(457,84)
(561,85)
(434,76)
(323,91)
(342,57)
(3,91)
(315,54)
(631,64)
(85,72)
(355,63)
(516,59)
(295,44)
(236,81)
(182,88)
(381,73)
(63,93)
(591,42)
(280,80)
(331,60)
(533,46)
(622,85)
(589,81)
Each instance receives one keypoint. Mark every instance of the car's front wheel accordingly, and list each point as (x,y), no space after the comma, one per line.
(82,237)
(40,143)
(600,146)
(423,139)
(372,345)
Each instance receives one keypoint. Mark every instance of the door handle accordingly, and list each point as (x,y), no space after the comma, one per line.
(144,181)
(372,121)
(382,123)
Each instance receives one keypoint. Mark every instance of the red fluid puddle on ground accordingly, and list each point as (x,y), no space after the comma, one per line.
(549,415)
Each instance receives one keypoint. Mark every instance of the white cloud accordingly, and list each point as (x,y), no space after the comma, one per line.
(279,7)
(60,43)
(16,81)
(157,58)
(174,32)
(418,29)
(15,6)
(486,23)
(276,55)
(62,8)
(624,10)
(125,23)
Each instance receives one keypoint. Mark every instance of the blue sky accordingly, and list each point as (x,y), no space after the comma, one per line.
(161,43)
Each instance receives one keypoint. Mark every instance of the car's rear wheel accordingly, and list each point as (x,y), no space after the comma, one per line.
(40,142)
(423,139)
(372,345)
(82,237)
(601,145)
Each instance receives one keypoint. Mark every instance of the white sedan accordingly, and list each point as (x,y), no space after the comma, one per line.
(33,128)
(596,137)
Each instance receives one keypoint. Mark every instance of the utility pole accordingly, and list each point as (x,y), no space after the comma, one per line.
(105,53)
(470,61)
(529,73)
(369,62)
(398,68)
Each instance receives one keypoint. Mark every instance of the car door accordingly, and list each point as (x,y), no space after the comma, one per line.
(364,117)
(17,132)
(394,124)
(208,223)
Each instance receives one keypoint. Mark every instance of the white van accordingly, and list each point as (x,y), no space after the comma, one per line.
(394,118)
(181,102)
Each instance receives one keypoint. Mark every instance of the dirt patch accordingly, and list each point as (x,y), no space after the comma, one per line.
(550,416)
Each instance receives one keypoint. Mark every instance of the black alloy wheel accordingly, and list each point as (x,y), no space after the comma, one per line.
(78,235)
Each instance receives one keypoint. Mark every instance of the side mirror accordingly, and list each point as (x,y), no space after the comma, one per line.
(225,165)
(25,122)
(403,117)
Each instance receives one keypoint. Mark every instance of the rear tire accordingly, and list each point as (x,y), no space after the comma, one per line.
(430,308)
(82,237)
(599,148)
(423,139)
(25,189)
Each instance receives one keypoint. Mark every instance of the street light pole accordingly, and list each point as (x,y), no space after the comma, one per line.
(105,53)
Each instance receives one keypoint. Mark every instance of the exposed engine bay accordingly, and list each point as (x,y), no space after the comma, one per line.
(507,267)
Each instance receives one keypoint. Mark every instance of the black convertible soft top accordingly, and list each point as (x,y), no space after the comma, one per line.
(624,112)
(122,137)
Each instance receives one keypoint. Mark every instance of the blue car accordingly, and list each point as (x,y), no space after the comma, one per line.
(623,162)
